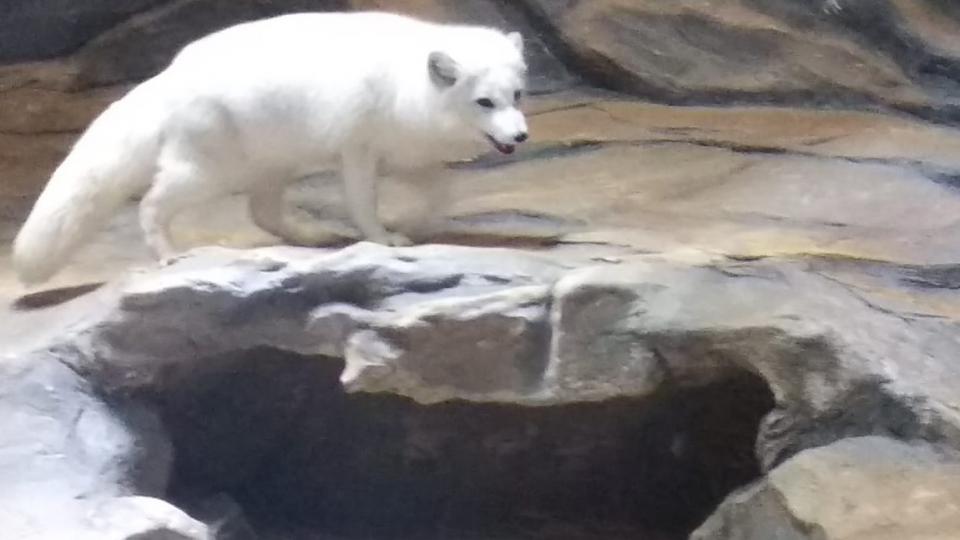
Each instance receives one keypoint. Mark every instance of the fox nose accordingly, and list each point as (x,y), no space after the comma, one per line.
(521,137)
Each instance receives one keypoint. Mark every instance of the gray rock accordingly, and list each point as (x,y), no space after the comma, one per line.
(141,518)
(415,322)
(142,46)
(225,516)
(69,461)
(130,42)
(441,323)
(658,324)
(849,53)
(31,30)
(869,487)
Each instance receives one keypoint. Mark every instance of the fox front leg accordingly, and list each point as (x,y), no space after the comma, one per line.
(359,176)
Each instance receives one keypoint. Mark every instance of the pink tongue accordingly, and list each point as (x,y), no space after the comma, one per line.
(505,148)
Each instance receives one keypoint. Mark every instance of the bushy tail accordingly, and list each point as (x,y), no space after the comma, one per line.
(112,161)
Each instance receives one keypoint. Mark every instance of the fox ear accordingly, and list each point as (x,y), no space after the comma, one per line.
(517,40)
(443,70)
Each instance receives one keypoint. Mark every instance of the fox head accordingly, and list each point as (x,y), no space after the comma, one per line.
(482,81)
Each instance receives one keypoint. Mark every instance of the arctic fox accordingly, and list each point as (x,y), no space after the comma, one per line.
(256,106)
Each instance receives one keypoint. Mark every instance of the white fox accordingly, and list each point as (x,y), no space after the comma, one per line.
(259,105)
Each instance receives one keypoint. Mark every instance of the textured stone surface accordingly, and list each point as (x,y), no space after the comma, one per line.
(846,54)
(892,53)
(840,356)
(539,330)
(31,30)
(69,461)
(859,488)
(743,181)
(748,181)
(138,41)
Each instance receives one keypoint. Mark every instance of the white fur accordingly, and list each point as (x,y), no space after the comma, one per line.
(259,105)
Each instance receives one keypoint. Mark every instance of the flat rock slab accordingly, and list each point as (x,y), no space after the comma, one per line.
(745,182)
(861,488)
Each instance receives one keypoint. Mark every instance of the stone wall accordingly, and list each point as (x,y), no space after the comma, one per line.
(61,62)
(901,54)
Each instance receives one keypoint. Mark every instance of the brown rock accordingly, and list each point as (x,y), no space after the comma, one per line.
(867,488)
(825,53)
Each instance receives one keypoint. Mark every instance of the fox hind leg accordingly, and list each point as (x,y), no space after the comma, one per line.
(268,211)
(176,187)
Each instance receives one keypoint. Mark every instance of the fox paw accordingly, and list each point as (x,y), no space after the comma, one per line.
(392,239)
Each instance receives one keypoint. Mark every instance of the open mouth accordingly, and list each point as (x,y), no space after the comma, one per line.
(502,148)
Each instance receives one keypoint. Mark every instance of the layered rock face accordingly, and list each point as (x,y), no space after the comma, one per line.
(714,297)
(892,53)
(640,392)
(897,55)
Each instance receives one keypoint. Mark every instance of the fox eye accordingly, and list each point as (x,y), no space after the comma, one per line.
(485,103)
(517,95)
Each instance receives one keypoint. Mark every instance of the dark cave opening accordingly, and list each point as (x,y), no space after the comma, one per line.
(303,459)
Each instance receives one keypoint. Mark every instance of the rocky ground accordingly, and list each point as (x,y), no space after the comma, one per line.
(710,300)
